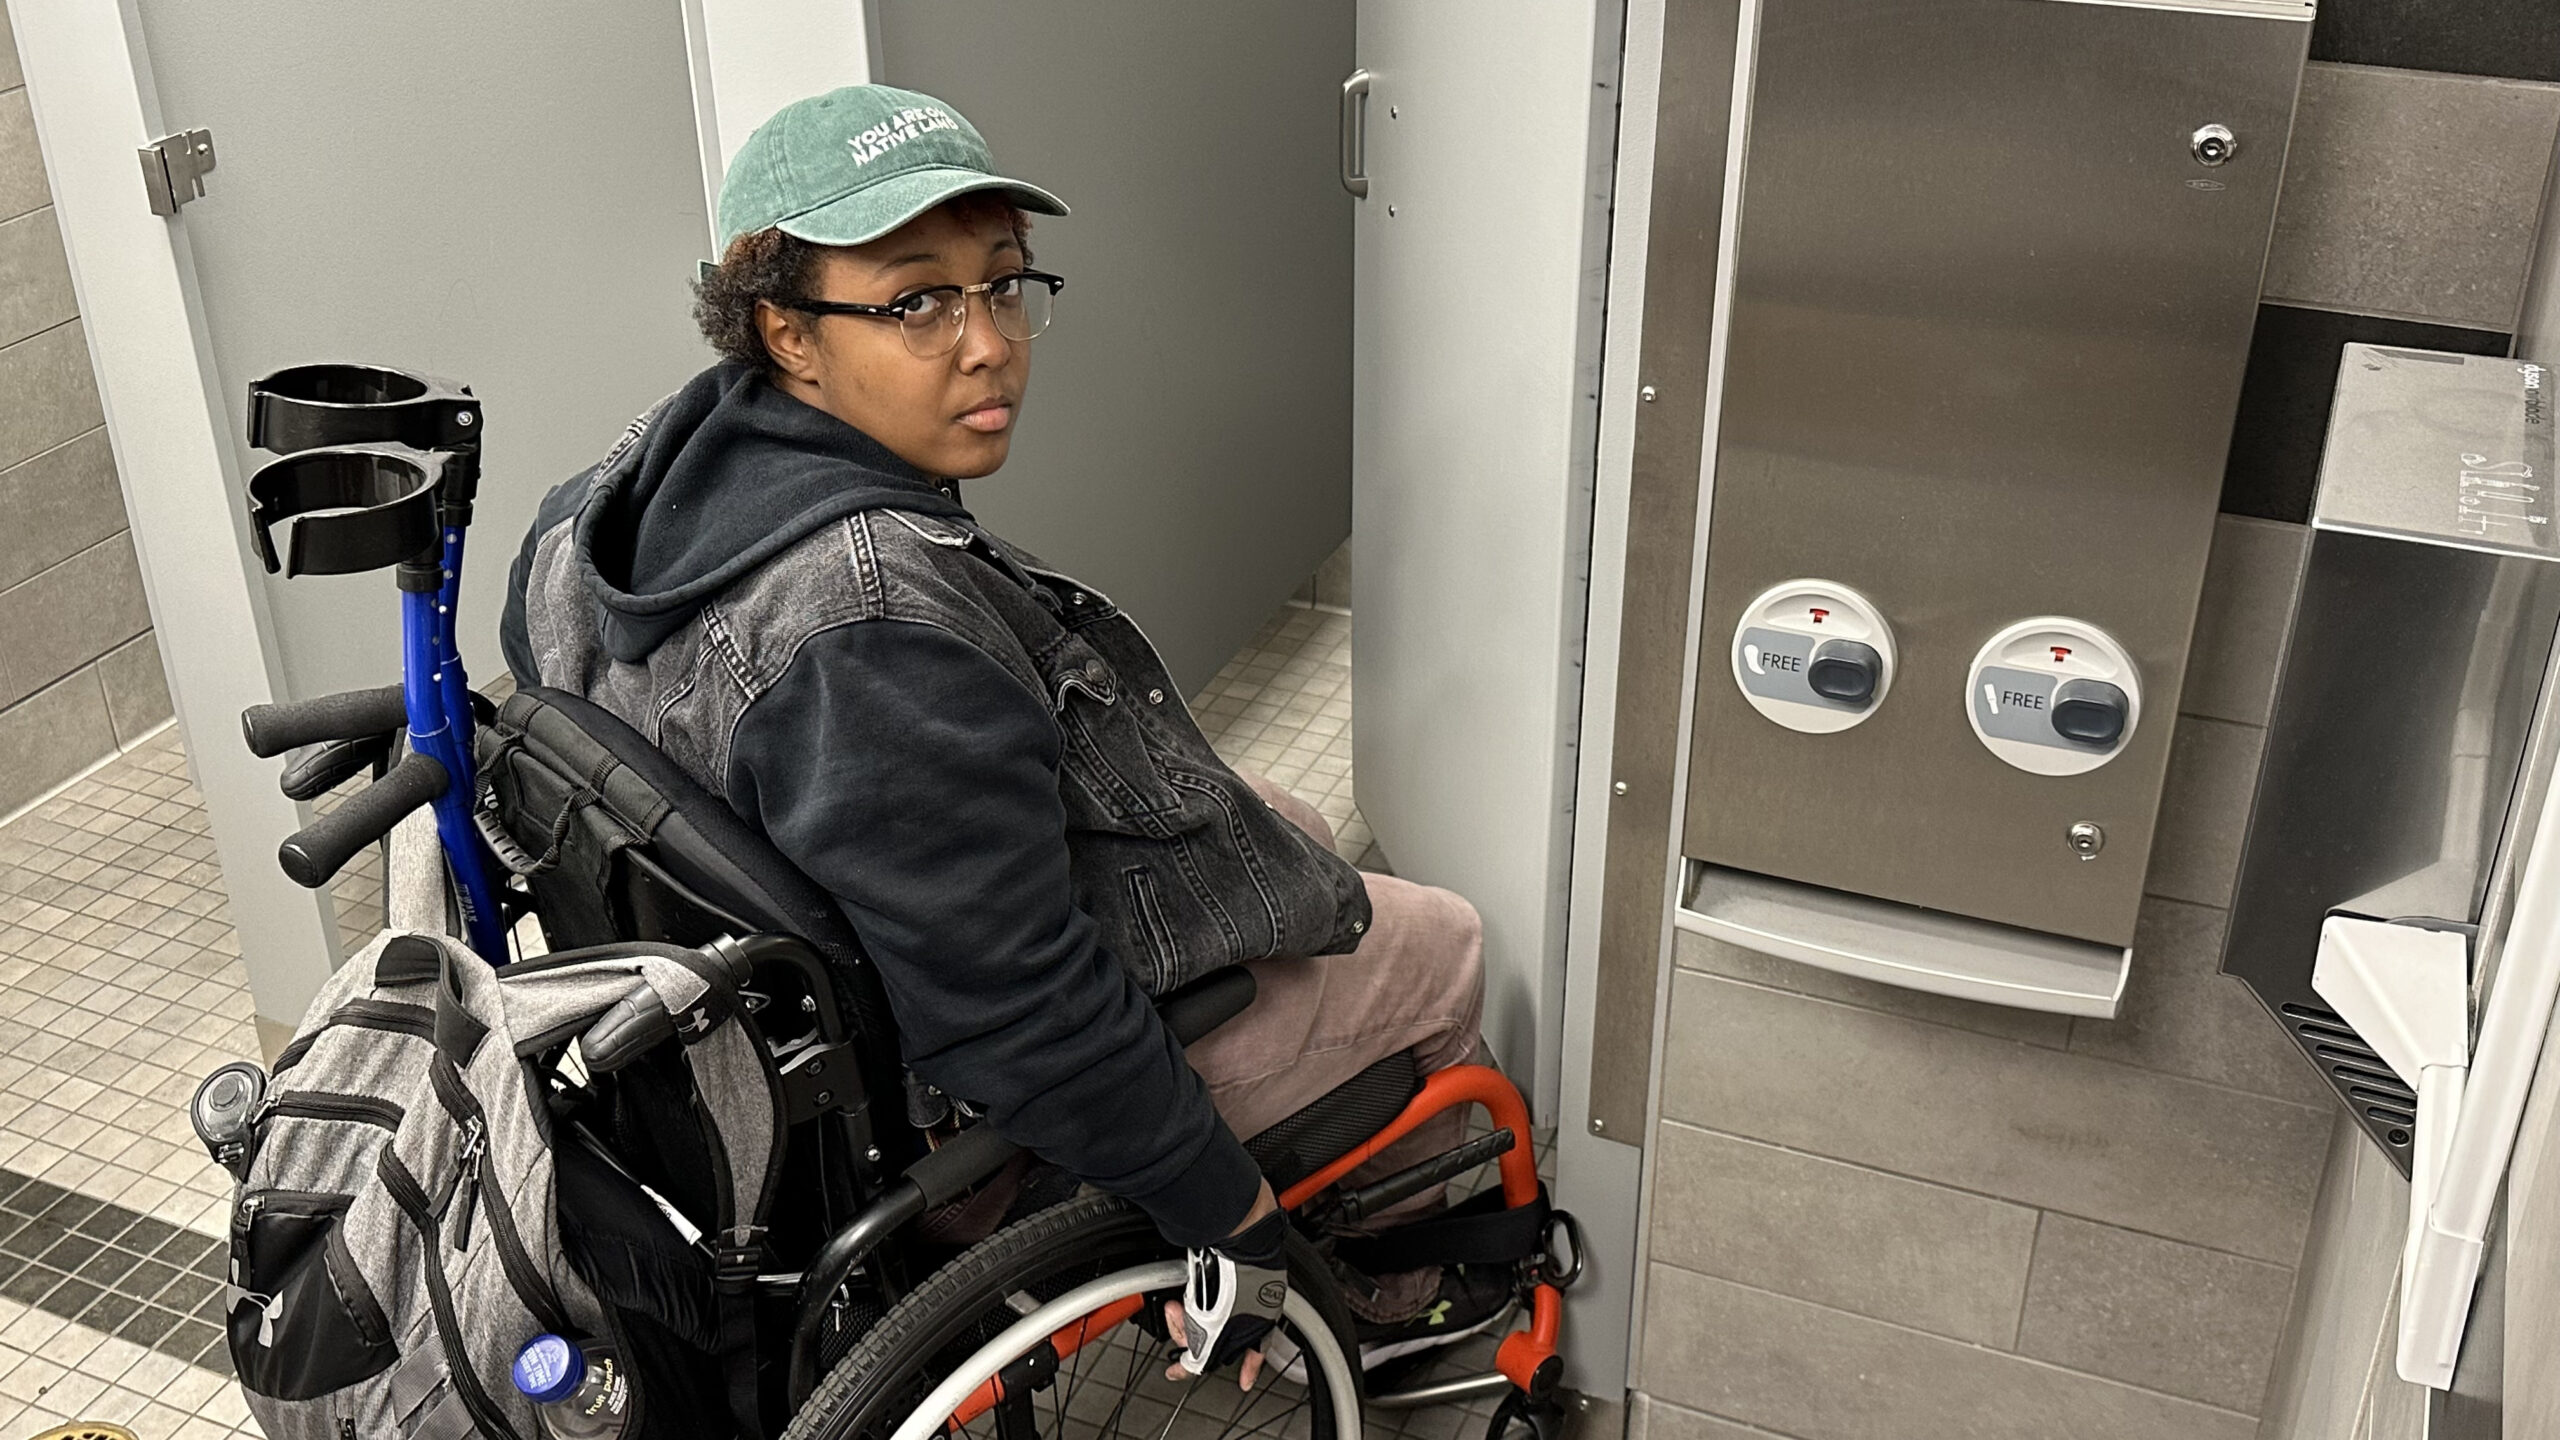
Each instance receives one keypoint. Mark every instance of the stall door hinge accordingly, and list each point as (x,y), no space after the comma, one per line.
(174,167)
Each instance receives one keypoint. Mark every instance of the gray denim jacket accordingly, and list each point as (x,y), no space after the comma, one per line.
(983,758)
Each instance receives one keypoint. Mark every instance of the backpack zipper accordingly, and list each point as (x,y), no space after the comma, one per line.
(474,1141)
(412,1200)
(532,1287)
(329,1105)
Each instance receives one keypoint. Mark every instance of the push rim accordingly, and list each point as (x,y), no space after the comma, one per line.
(1329,1399)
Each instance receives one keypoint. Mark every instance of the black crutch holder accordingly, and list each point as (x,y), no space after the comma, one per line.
(309,406)
(348,509)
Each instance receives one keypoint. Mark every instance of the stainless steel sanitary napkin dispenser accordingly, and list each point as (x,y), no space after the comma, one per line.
(1991,299)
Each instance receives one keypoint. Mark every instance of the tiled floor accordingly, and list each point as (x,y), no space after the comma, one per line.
(1283,707)
(121,986)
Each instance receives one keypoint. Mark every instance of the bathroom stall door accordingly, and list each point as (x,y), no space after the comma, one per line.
(509,195)
(1481,257)
(1186,445)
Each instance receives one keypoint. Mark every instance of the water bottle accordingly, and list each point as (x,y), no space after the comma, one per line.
(582,1391)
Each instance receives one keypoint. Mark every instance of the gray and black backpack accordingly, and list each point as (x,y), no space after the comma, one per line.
(418,1201)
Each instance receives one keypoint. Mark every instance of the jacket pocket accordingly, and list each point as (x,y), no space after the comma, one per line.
(1109,779)
(1146,913)
(308,1323)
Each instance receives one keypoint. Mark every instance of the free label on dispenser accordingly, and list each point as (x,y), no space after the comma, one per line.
(1813,655)
(2054,696)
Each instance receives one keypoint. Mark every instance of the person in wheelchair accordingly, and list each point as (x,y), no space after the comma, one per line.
(772,576)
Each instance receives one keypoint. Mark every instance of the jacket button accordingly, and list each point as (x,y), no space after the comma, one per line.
(1359,927)
(1155,697)
(1076,598)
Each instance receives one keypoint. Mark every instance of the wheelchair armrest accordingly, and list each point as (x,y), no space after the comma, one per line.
(1206,1003)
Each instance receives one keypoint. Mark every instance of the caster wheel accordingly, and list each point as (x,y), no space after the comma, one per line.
(1521,1418)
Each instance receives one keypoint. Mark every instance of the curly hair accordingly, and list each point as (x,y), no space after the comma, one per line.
(769,265)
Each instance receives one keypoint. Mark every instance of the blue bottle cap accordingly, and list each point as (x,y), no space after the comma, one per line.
(549,1369)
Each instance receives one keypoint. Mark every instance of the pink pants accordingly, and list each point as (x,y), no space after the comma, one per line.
(1416,983)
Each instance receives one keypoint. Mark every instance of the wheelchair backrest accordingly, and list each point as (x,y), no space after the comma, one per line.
(616,843)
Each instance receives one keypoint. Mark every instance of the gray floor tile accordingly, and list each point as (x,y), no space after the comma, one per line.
(2108,1142)
(1825,1375)
(1879,1245)
(1662,1420)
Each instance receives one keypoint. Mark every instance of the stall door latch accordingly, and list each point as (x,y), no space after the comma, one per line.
(174,167)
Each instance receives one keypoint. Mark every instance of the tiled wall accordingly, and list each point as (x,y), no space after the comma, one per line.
(2412,196)
(80,677)
(1880,1215)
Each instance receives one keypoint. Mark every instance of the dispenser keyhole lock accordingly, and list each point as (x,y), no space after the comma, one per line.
(2214,144)
(2085,840)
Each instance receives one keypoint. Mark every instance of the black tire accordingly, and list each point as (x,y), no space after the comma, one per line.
(964,1305)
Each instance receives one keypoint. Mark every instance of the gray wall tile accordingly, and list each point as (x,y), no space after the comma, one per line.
(2158,1314)
(51,736)
(2342,1294)
(2412,194)
(2107,1142)
(10,74)
(1653,1419)
(1825,1375)
(1859,1240)
(47,394)
(57,505)
(22,185)
(35,276)
(2204,810)
(2248,594)
(2183,1015)
(69,616)
(1715,957)
(137,687)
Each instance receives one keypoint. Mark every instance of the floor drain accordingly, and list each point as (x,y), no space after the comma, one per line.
(87,1430)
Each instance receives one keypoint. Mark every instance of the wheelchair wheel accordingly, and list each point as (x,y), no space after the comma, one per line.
(1062,1313)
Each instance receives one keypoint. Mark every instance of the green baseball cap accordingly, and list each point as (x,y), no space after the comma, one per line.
(854,164)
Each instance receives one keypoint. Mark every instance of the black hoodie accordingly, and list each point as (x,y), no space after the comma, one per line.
(918,764)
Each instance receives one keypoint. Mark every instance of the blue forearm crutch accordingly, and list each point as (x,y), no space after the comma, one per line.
(380,469)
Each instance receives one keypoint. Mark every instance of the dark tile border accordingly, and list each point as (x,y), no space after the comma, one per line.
(2515,39)
(115,1270)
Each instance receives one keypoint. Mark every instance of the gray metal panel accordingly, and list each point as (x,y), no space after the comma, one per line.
(1989,326)
(1662,507)
(1186,444)
(2405,721)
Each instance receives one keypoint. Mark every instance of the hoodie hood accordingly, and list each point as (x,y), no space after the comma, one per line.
(724,475)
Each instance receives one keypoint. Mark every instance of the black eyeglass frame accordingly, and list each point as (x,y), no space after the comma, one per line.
(897,309)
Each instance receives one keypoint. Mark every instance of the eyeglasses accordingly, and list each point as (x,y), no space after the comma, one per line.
(932,319)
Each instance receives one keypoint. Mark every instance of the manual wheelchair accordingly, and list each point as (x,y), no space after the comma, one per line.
(876,1308)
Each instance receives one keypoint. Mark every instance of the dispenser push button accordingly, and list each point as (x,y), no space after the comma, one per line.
(2053,696)
(1844,670)
(1813,655)
(2091,712)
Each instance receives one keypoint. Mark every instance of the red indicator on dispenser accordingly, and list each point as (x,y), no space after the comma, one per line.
(1818,613)
(2060,653)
